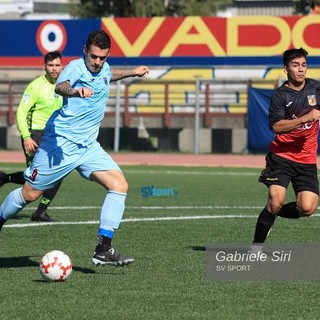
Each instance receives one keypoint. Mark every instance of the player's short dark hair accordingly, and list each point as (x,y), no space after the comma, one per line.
(52,55)
(100,39)
(291,54)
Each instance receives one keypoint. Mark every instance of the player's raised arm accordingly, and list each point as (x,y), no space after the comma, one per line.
(64,89)
(118,74)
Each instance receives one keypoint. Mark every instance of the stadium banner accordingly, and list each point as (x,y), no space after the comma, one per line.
(259,134)
(166,41)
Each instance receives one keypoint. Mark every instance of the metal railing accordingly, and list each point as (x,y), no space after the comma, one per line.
(164,99)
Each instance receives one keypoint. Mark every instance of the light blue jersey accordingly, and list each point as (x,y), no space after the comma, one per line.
(79,118)
(70,139)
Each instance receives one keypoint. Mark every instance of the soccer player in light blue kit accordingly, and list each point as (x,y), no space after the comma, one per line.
(70,142)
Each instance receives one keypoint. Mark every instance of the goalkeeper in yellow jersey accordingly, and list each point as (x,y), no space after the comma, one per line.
(37,104)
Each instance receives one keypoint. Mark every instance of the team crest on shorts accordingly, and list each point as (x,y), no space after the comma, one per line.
(34,174)
(312,100)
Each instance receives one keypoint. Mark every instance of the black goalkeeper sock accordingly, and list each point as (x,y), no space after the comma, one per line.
(4,178)
(46,199)
(43,205)
(264,224)
(16,177)
(289,211)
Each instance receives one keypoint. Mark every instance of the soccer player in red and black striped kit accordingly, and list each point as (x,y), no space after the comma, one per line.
(294,118)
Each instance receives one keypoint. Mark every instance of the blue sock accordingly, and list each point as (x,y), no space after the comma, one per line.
(111,212)
(12,204)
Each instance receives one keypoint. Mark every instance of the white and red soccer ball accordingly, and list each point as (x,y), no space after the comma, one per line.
(55,266)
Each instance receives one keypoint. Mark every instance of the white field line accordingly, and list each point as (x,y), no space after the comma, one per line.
(152,207)
(189,217)
(40,224)
(204,217)
(158,208)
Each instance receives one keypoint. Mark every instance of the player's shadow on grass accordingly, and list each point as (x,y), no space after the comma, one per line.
(17,262)
(26,261)
(21,216)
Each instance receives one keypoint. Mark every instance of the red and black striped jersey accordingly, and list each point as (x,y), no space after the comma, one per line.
(299,145)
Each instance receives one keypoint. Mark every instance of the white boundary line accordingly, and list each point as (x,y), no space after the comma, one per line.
(157,208)
(153,207)
(40,224)
(177,218)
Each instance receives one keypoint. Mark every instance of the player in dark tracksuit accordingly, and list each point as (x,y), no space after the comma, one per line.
(294,117)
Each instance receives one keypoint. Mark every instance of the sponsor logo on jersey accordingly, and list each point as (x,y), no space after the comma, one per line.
(289,103)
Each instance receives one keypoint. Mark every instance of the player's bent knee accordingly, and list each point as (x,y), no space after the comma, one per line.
(119,183)
(307,211)
(121,186)
(274,208)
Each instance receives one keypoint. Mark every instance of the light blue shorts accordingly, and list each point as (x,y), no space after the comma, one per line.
(56,157)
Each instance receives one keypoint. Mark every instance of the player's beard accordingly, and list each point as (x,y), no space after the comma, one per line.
(96,68)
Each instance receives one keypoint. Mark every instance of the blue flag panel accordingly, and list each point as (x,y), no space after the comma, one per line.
(259,134)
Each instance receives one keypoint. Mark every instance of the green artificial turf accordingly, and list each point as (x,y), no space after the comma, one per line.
(167,236)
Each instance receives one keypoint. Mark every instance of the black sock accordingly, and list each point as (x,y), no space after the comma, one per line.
(46,199)
(4,178)
(103,243)
(289,211)
(43,205)
(17,177)
(264,223)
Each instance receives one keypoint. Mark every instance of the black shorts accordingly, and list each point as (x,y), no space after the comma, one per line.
(281,171)
(35,135)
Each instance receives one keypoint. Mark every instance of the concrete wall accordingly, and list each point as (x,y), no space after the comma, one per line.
(210,140)
(13,138)
(187,140)
(214,141)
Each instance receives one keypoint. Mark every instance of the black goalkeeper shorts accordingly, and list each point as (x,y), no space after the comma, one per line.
(36,135)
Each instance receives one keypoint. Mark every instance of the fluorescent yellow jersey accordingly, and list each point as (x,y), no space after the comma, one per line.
(37,104)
